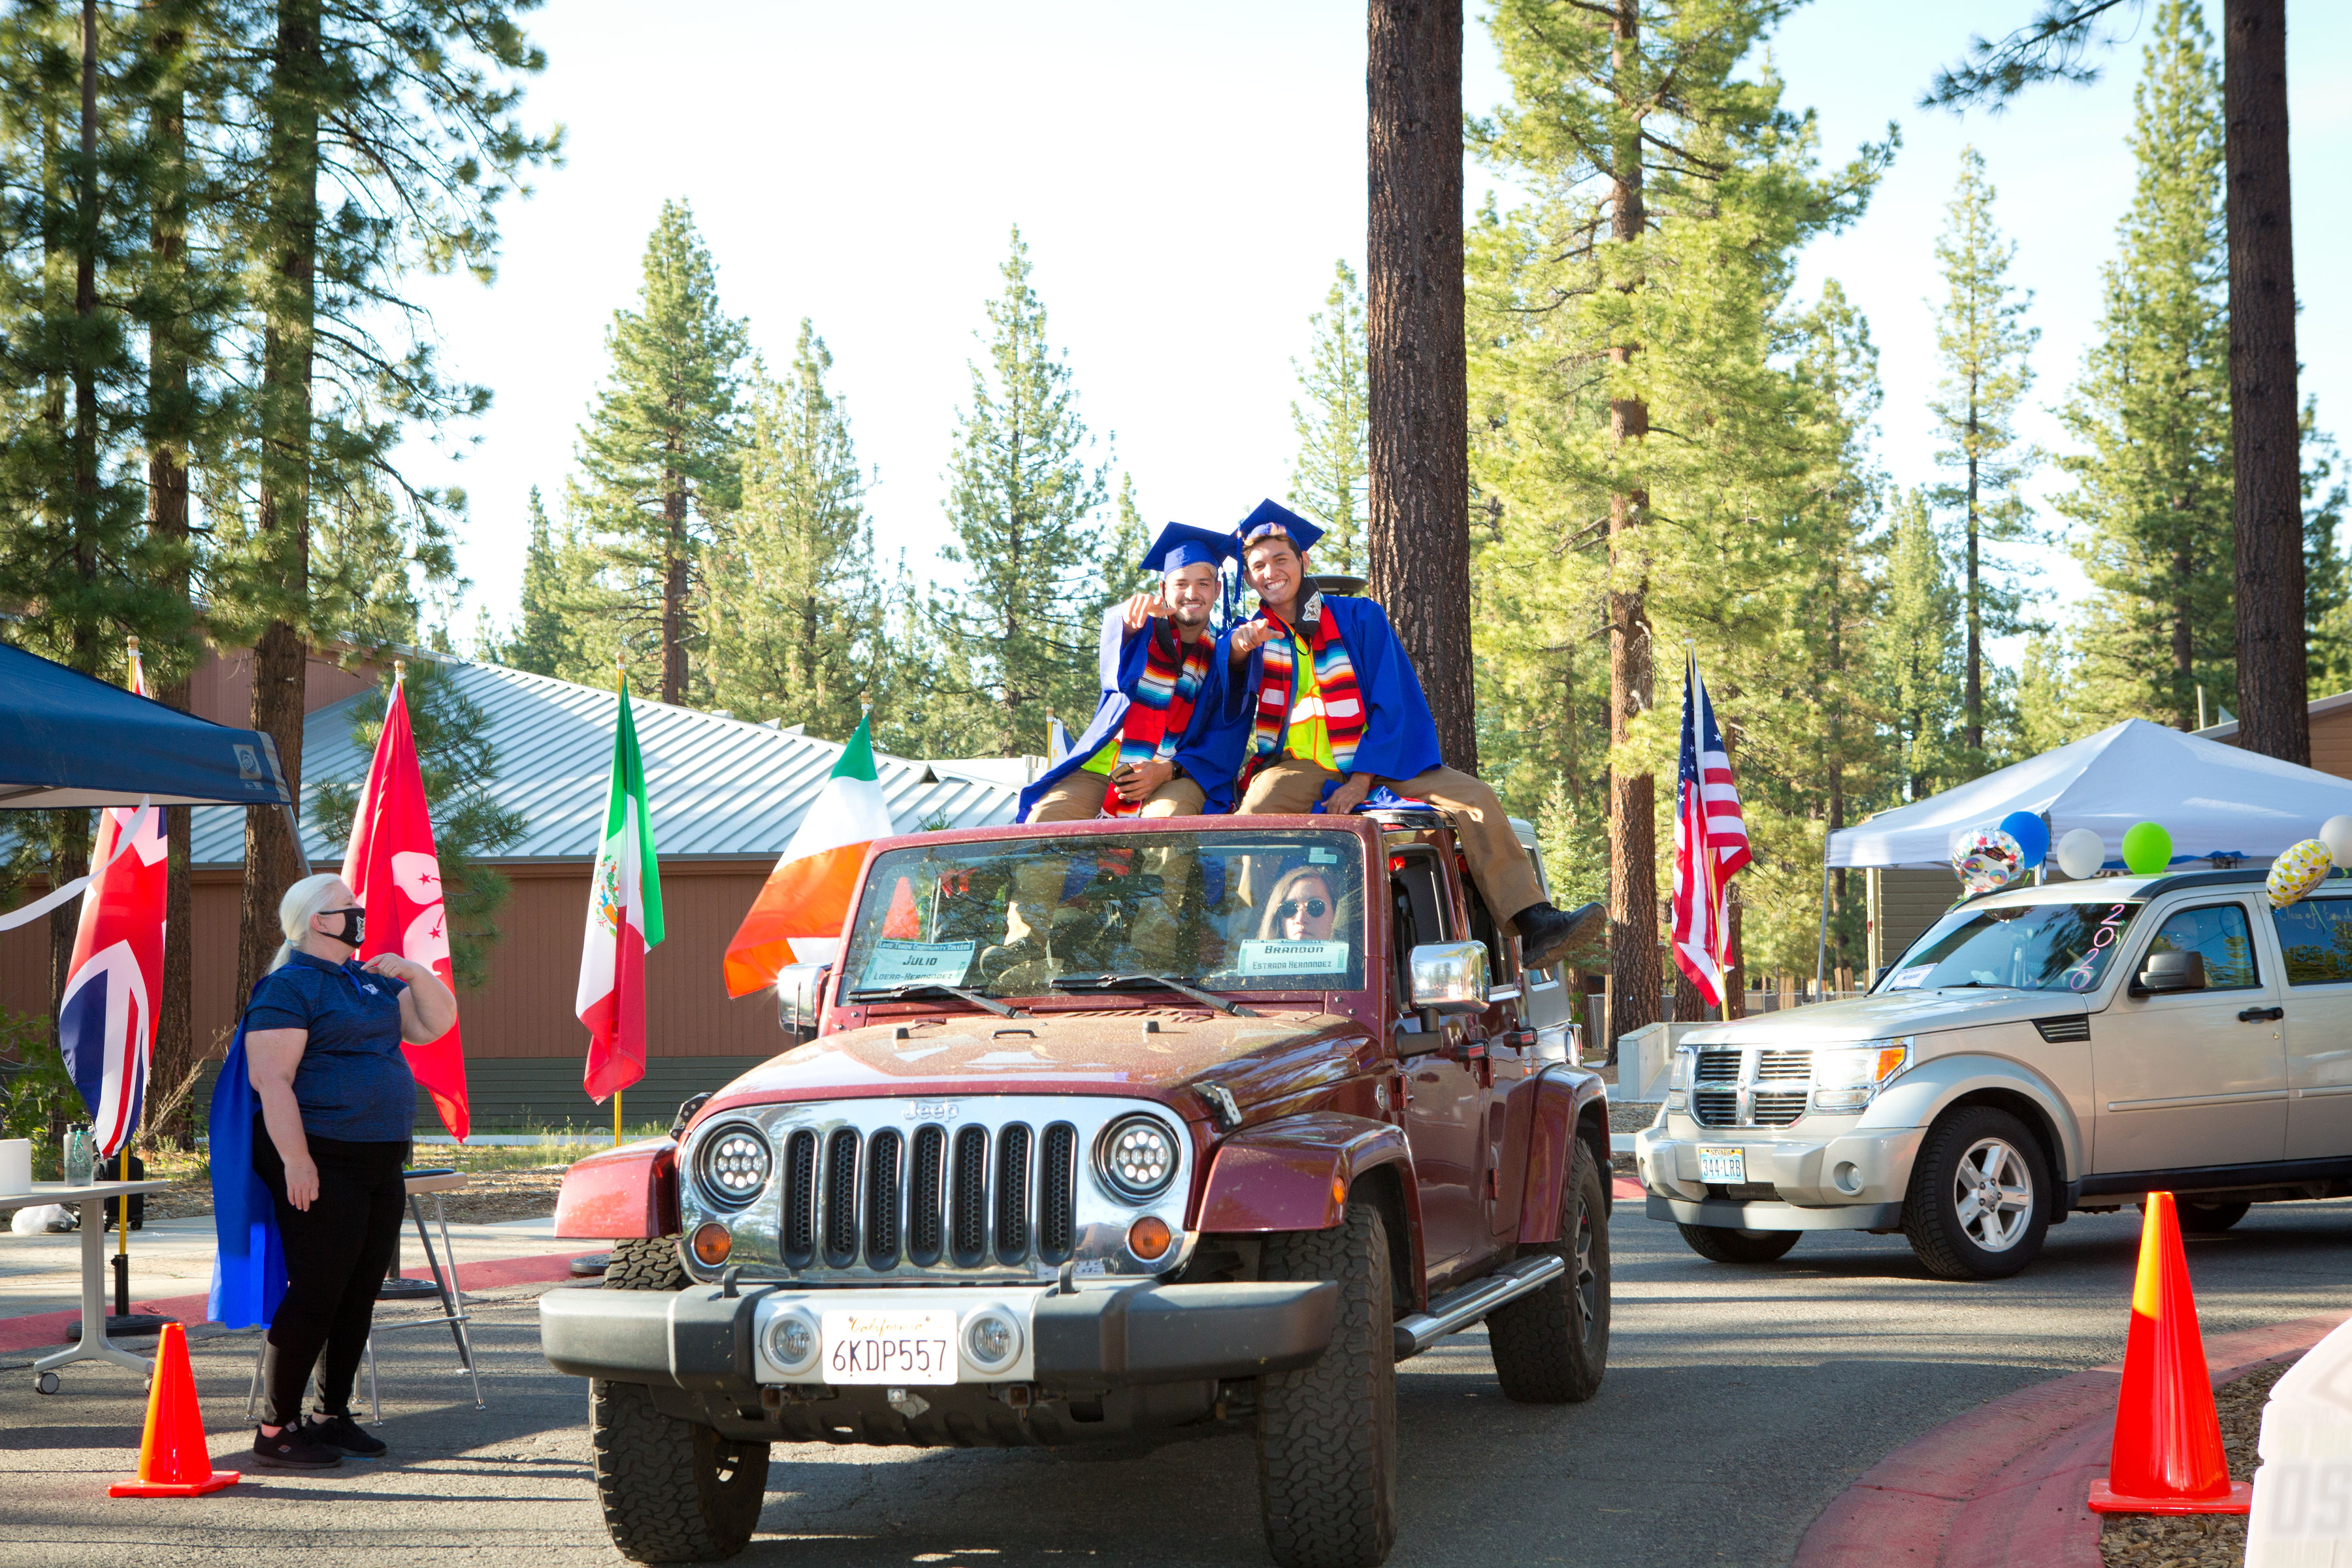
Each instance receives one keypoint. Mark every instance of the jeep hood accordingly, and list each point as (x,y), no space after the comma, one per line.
(1889,1013)
(1154,1053)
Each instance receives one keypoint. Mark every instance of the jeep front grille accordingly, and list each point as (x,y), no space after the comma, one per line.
(1736,1087)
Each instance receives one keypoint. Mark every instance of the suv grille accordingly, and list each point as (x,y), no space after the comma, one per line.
(882,1199)
(1744,1087)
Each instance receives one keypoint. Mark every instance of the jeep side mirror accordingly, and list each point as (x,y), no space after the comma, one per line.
(800,987)
(2170,972)
(1450,976)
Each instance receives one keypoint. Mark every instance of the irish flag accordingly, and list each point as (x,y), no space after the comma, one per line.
(798,916)
(624,920)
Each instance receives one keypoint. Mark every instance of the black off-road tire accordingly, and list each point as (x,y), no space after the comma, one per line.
(1327,1436)
(646,1263)
(1552,1347)
(672,1490)
(2210,1219)
(1725,1243)
(1931,1219)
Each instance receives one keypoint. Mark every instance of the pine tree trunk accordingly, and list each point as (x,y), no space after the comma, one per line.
(2273,716)
(71,860)
(1972,689)
(672,615)
(273,858)
(84,373)
(2184,646)
(1419,532)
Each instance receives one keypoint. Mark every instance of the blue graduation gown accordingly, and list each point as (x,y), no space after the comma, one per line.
(250,1257)
(1400,737)
(1210,748)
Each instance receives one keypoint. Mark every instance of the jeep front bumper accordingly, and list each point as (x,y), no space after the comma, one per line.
(1851,1180)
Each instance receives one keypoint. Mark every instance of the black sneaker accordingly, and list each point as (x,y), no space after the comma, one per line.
(292,1449)
(1546,932)
(342,1433)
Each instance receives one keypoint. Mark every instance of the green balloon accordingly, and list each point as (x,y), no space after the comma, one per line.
(2148,847)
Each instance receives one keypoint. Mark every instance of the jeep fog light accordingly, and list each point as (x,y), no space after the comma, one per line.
(991,1339)
(1849,1079)
(792,1342)
(712,1243)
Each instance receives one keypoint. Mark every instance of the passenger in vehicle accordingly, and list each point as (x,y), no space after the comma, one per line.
(1335,708)
(1302,908)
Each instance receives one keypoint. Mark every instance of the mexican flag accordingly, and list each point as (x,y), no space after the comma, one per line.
(798,916)
(624,920)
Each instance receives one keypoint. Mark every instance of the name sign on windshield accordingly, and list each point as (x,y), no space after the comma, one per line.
(1294,957)
(897,962)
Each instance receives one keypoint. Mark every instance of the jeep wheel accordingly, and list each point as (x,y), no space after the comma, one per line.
(1727,1243)
(1979,1199)
(1327,1436)
(645,1263)
(1552,1347)
(673,1491)
(2209,1219)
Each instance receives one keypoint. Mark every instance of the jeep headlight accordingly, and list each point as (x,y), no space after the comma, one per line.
(1849,1078)
(1136,1157)
(733,1164)
(1678,1084)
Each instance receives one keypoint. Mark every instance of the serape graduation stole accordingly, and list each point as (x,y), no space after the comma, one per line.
(1160,710)
(1335,682)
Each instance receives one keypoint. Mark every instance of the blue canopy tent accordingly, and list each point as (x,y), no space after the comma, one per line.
(69,740)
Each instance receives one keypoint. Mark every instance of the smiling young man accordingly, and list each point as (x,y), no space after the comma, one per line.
(1335,708)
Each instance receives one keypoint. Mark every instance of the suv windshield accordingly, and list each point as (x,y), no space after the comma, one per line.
(1219,911)
(2026,947)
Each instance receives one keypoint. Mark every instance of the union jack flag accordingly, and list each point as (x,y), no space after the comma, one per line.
(1710,842)
(106,1021)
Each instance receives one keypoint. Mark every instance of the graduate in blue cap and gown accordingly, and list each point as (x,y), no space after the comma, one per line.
(1334,709)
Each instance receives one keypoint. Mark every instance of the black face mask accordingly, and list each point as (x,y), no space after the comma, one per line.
(355,926)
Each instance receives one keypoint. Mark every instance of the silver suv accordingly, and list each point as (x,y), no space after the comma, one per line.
(2040,1051)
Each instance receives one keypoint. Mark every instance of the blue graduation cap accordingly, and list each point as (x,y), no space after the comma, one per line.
(1274,520)
(1181,544)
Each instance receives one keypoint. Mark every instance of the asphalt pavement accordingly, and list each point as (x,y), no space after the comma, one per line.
(1740,1401)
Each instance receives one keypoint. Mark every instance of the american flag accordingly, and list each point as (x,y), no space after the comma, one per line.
(1711,841)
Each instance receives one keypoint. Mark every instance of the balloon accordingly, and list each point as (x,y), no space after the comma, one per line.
(2148,847)
(2081,853)
(2303,867)
(1986,861)
(2033,837)
(2337,833)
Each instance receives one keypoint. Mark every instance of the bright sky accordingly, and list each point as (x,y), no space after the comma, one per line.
(1186,176)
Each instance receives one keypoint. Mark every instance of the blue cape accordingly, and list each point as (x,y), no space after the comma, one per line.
(249,1259)
(1400,738)
(1210,752)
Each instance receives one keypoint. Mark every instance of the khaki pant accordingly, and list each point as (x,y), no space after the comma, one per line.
(1497,863)
(1080,797)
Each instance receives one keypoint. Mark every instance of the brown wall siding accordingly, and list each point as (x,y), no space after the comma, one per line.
(221,687)
(2331,742)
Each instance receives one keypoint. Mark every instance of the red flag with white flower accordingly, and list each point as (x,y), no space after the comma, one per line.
(394,869)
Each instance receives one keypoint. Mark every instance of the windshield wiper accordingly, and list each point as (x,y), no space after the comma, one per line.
(1168,982)
(1980,985)
(937,988)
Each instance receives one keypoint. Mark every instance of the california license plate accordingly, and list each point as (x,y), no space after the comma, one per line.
(894,1347)
(1719,1165)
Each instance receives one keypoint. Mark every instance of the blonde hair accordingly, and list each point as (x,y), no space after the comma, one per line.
(303,900)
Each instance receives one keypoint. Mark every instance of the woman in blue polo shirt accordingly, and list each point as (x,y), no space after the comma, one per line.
(322,1049)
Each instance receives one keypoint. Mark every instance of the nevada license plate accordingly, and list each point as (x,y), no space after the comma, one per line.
(894,1347)
(1718,1164)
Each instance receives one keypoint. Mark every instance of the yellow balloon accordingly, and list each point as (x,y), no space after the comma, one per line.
(2303,867)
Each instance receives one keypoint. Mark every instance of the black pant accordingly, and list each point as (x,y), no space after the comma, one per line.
(337,1255)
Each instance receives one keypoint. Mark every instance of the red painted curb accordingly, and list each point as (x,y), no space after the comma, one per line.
(1625,1189)
(41,1330)
(1948,1498)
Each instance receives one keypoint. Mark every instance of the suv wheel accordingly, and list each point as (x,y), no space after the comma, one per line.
(645,1263)
(2209,1219)
(1979,1199)
(1727,1243)
(1326,1435)
(673,1491)
(1551,1347)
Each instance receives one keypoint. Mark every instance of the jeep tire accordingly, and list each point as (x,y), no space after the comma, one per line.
(1327,1443)
(645,1263)
(1727,1243)
(673,1491)
(1551,1347)
(1979,1200)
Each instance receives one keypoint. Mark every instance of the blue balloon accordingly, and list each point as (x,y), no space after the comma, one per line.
(2033,837)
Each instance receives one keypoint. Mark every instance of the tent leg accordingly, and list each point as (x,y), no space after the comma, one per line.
(294,826)
(1822,952)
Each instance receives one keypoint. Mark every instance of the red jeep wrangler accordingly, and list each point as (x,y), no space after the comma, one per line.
(1108,1129)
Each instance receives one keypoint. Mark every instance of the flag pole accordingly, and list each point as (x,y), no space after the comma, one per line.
(621,696)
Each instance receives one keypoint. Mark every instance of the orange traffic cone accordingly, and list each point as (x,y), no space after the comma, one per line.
(2168,1454)
(173,1459)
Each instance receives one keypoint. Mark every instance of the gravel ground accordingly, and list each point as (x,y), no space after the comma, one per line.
(2200,1541)
(489,1197)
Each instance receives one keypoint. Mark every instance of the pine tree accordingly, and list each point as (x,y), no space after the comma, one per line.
(1327,481)
(796,608)
(2152,497)
(1922,657)
(1984,346)
(1024,507)
(659,454)
(543,641)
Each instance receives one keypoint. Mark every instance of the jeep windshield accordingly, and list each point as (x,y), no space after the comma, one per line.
(2020,947)
(1102,915)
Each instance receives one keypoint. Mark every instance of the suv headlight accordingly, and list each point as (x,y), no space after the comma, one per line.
(1136,1157)
(1678,1084)
(1849,1078)
(733,1165)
